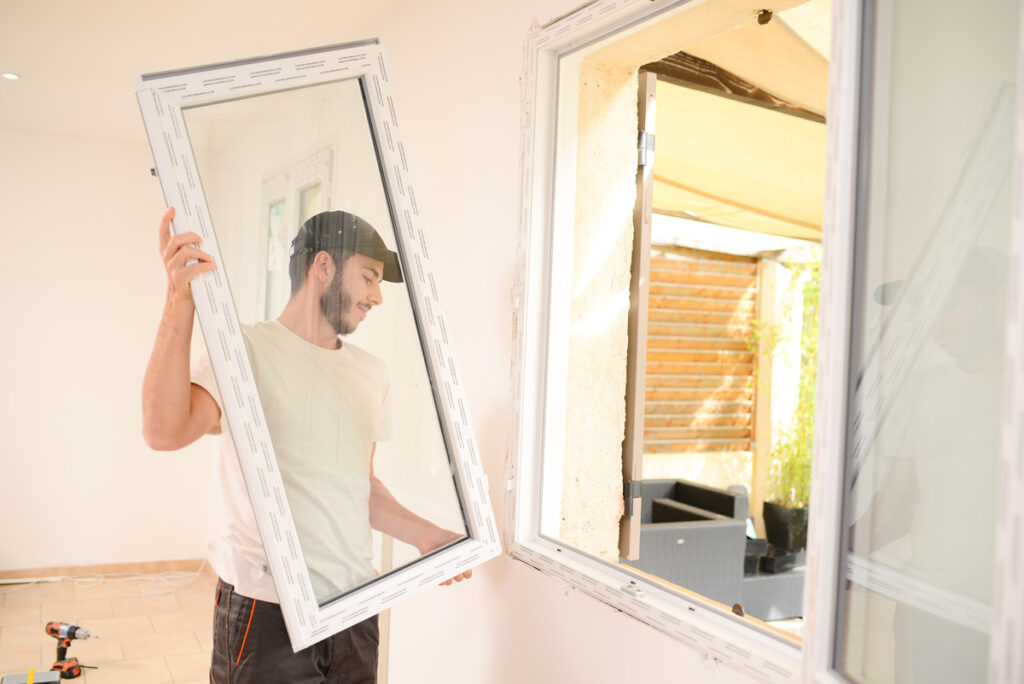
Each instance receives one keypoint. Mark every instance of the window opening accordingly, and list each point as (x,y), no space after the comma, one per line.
(737,204)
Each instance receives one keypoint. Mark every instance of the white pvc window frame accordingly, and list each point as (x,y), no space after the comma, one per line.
(162,96)
(844,211)
(700,624)
(824,541)
(544,226)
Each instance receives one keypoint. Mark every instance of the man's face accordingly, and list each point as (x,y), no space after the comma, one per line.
(354,290)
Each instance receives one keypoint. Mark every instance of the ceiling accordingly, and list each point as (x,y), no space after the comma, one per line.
(78,60)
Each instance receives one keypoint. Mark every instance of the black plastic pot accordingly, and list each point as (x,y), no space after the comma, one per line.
(785,527)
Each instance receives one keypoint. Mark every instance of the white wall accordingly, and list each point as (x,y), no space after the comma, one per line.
(510,623)
(82,286)
(94,289)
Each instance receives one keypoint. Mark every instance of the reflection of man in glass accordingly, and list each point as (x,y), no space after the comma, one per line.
(325,402)
(936,492)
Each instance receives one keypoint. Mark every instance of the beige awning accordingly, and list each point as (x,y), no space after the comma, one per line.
(743,165)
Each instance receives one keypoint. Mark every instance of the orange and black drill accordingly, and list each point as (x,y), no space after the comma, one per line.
(69,668)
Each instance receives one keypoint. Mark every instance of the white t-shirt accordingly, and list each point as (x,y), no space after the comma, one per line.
(946,423)
(325,409)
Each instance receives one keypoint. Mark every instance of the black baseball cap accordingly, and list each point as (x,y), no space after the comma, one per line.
(983,267)
(335,231)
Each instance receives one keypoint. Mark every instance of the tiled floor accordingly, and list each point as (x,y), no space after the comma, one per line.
(149,631)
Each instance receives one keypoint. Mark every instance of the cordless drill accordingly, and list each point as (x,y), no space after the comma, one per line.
(64,668)
(64,633)
(69,668)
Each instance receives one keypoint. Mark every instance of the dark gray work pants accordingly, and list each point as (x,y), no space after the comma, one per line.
(250,646)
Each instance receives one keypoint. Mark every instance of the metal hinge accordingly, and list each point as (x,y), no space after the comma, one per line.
(630,492)
(645,148)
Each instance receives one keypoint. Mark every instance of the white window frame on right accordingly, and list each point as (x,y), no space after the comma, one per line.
(544,225)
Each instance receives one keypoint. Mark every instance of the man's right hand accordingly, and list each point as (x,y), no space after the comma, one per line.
(176,412)
(183,260)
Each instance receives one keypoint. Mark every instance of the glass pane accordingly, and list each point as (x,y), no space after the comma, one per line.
(927,353)
(309,201)
(340,371)
(277,261)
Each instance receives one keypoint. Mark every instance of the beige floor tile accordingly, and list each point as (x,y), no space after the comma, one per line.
(77,612)
(24,658)
(35,594)
(189,667)
(120,626)
(94,651)
(104,591)
(204,584)
(205,639)
(207,578)
(26,635)
(142,637)
(192,621)
(20,615)
(112,587)
(205,581)
(148,670)
(120,590)
(126,615)
(151,645)
(197,593)
(145,605)
(158,586)
(152,587)
(196,600)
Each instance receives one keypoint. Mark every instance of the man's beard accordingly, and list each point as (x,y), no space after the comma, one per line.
(335,303)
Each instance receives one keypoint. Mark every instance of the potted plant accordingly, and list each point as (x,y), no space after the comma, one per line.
(785,508)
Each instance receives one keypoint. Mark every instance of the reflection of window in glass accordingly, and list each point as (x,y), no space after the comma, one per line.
(290,195)
(277,256)
(309,201)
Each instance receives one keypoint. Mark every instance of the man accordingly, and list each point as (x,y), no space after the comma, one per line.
(933,487)
(325,402)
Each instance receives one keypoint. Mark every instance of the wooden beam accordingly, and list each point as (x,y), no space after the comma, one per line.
(763,394)
(688,71)
(636,356)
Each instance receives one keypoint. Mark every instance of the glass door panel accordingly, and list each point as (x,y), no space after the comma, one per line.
(926,369)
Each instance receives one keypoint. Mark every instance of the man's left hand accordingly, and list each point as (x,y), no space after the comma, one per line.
(441,537)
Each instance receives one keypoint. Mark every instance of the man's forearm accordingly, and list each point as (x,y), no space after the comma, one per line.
(387,515)
(167,387)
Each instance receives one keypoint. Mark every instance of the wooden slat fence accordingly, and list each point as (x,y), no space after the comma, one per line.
(700,368)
